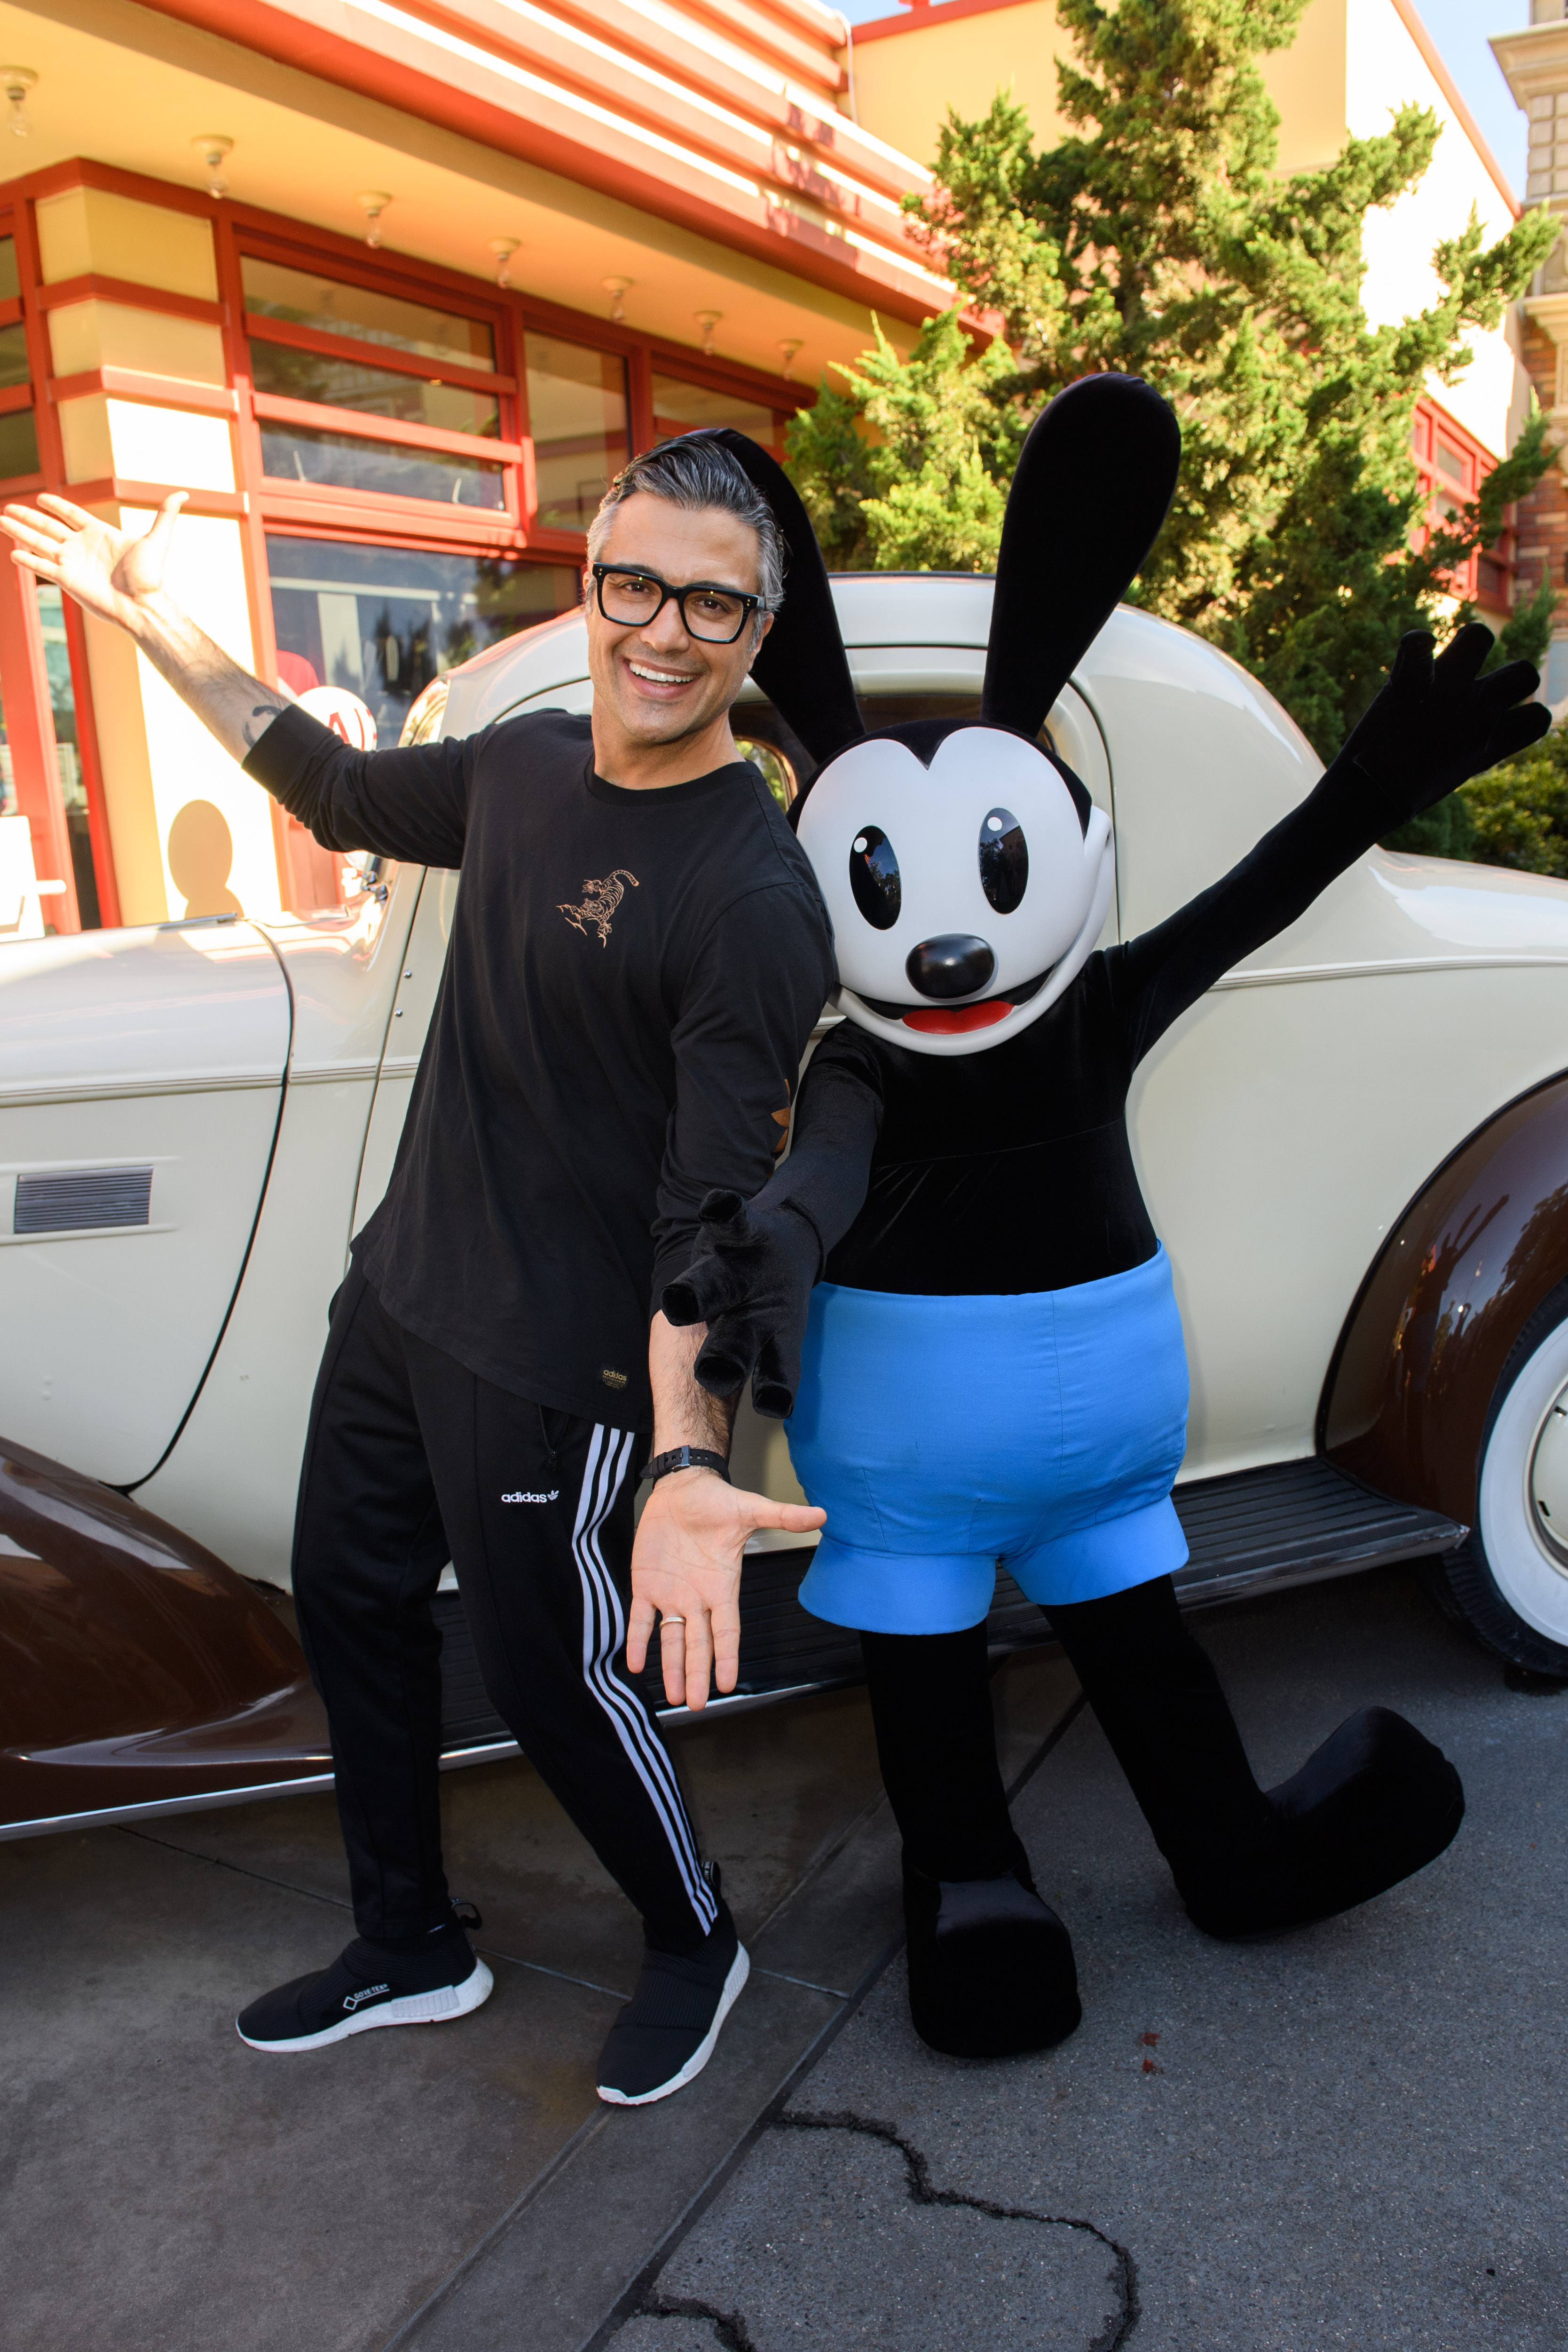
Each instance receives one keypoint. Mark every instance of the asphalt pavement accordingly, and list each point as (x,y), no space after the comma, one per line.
(1352,2135)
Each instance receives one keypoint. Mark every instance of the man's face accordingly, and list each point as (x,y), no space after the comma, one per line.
(655,680)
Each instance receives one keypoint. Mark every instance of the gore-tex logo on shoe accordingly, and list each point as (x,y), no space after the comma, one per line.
(352,2000)
(553,1496)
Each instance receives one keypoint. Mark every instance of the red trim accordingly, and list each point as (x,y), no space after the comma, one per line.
(91,287)
(115,489)
(309,504)
(920,14)
(132,384)
(17,395)
(558,138)
(1445,83)
(1433,428)
(361,352)
(364,426)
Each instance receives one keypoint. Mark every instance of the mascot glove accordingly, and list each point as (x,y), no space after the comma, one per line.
(1436,724)
(750,1281)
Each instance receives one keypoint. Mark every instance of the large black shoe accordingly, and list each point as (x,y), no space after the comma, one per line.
(1375,1803)
(368,1985)
(666,2035)
(991,1972)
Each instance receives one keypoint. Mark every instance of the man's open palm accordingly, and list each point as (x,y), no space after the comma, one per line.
(109,572)
(686,1565)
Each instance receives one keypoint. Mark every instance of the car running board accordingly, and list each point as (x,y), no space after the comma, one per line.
(1291,1523)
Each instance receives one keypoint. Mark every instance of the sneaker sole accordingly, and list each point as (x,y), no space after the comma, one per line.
(733,1984)
(410,2009)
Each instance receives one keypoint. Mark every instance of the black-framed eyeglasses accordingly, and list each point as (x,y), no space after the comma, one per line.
(711,614)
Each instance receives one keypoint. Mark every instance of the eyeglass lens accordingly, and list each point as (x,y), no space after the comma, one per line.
(711,614)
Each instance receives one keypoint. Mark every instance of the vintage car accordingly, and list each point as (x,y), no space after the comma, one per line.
(1355,1148)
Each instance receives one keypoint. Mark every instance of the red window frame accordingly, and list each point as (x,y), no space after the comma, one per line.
(1453,463)
(264,505)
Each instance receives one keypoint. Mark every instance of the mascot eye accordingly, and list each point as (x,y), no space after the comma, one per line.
(1004,860)
(874,877)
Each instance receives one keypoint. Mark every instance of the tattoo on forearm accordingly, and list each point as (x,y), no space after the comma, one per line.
(265,712)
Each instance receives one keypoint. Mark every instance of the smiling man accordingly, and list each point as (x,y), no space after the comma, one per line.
(638,956)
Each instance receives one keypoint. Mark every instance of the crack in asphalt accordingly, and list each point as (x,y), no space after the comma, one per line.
(729,2327)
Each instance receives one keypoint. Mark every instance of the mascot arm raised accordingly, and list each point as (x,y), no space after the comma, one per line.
(1434,726)
(757,1262)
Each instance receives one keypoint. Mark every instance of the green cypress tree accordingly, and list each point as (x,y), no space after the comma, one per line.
(1158,238)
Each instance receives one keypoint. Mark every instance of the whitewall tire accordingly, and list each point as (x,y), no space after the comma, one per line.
(1510,1582)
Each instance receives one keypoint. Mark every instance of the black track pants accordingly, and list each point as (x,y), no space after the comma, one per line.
(411,1461)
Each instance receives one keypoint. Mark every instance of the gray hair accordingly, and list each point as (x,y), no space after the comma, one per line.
(698,472)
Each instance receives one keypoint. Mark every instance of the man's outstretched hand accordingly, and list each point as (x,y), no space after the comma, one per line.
(1436,724)
(685,1563)
(110,572)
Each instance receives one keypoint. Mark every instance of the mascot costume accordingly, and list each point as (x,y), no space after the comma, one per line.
(952,1289)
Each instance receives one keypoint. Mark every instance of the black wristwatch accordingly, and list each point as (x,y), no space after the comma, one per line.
(685,1457)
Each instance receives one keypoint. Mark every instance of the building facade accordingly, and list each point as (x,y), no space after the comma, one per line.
(389,292)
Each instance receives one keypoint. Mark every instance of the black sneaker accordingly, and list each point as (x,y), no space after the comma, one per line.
(367,1986)
(666,2035)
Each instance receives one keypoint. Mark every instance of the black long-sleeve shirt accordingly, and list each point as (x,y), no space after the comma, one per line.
(1009,1170)
(631,979)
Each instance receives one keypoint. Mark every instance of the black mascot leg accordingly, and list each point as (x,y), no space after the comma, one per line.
(1375,1804)
(990,1965)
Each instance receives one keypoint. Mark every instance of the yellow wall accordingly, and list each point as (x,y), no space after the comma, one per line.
(904,85)
(157,759)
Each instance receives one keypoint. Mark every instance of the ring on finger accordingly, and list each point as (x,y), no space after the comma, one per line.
(665,1621)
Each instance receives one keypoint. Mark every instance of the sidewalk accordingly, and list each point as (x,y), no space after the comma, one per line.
(1352,2137)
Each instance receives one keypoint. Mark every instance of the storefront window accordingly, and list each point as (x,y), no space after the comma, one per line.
(680,407)
(577,417)
(10,278)
(346,383)
(301,453)
(67,752)
(7,777)
(384,621)
(333,306)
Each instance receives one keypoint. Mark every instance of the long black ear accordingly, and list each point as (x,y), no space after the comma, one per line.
(802,667)
(1092,486)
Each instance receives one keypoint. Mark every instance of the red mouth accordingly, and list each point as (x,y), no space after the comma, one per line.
(952,1021)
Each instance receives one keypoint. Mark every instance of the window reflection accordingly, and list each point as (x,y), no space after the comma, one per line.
(18,443)
(680,408)
(293,374)
(383,621)
(306,298)
(392,469)
(67,752)
(577,416)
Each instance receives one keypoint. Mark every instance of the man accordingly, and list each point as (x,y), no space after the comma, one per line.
(638,958)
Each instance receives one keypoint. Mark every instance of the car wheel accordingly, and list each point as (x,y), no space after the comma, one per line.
(1509,1581)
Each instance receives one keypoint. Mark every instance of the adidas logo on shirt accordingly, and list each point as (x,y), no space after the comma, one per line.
(553,1496)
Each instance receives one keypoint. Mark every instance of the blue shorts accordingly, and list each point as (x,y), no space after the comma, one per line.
(948,1437)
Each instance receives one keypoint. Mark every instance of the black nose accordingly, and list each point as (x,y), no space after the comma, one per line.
(954,965)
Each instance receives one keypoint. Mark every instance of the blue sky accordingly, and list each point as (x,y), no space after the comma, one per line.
(1459,29)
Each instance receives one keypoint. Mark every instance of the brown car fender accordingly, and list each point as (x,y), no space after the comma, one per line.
(1408,1393)
(135,1667)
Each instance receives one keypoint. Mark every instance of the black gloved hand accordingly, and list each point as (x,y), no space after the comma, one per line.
(750,1281)
(1436,724)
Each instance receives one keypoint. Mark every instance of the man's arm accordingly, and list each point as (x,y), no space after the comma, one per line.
(693,1532)
(400,804)
(119,577)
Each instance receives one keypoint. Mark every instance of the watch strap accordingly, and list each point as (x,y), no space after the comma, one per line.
(685,1457)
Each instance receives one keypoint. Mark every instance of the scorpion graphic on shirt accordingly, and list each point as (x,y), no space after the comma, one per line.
(599,901)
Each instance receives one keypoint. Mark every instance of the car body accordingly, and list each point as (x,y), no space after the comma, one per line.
(195,1118)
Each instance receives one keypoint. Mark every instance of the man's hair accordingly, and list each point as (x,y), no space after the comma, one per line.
(695,472)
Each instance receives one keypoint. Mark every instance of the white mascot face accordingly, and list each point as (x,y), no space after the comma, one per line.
(964,896)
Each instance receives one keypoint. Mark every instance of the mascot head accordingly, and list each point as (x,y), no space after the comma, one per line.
(966,869)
